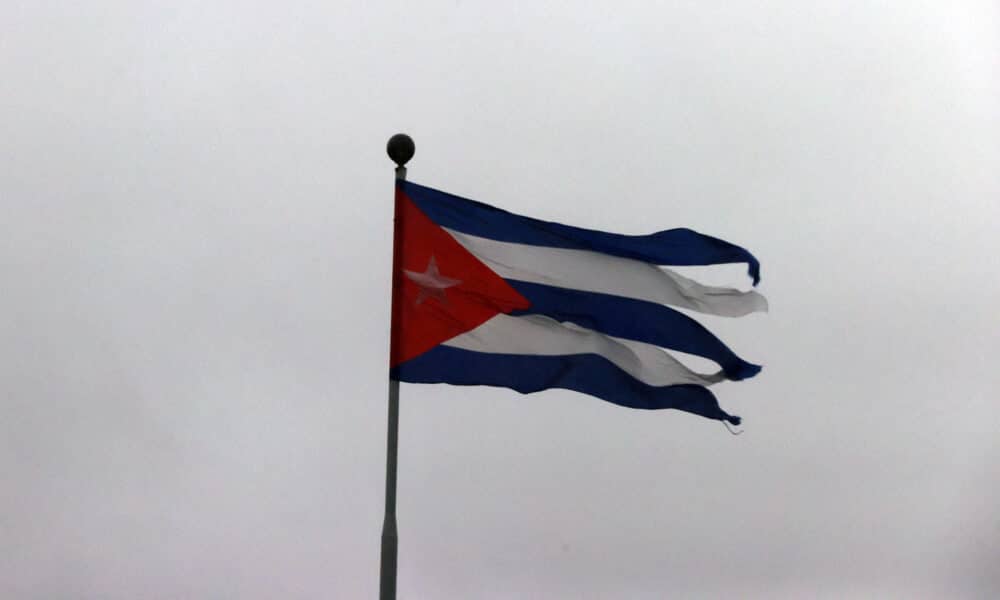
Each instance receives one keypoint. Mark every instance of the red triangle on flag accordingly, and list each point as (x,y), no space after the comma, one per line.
(439,289)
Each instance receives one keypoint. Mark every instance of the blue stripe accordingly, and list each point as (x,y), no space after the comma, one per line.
(670,247)
(587,373)
(634,320)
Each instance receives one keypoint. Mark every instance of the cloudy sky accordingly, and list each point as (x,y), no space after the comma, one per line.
(195,213)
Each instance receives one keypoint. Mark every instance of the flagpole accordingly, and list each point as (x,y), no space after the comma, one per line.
(400,149)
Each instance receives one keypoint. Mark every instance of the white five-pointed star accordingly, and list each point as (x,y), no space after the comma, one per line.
(432,283)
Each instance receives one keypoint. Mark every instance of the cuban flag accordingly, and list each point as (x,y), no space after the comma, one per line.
(482,296)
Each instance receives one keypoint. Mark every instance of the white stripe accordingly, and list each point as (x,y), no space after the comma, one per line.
(597,272)
(540,335)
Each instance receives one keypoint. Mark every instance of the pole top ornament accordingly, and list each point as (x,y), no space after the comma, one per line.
(400,148)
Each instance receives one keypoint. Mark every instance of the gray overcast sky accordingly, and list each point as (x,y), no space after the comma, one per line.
(195,212)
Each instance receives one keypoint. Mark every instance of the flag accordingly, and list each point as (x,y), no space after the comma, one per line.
(482,296)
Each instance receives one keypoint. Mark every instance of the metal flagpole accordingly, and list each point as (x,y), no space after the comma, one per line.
(400,149)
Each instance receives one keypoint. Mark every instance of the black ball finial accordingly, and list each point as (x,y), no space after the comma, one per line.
(400,148)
